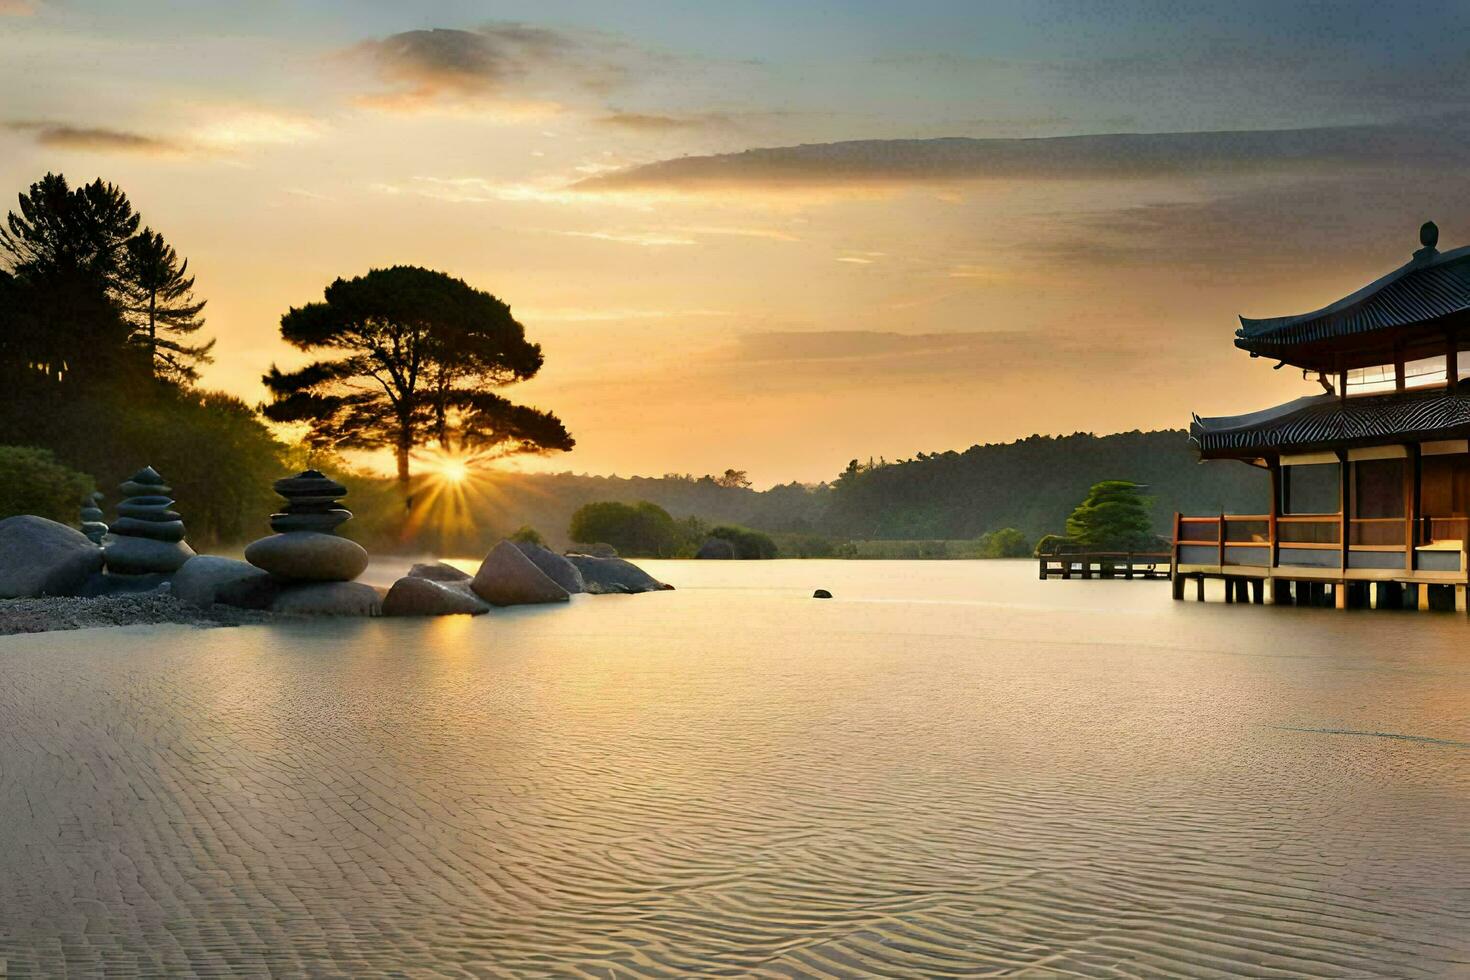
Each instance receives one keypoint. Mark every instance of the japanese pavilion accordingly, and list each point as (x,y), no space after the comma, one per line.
(1370,480)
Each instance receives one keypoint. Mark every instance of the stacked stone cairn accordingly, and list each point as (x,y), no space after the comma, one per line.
(92,524)
(314,566)
(148,536)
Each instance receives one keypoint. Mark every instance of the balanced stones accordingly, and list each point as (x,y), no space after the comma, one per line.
(148,536)
(92,524)
(306,547)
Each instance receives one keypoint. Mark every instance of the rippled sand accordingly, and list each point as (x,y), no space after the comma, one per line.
(949,769)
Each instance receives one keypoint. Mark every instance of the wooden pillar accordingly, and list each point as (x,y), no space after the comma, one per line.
(1220,532)
(1345,507)
(1273,591)
(1398,369)
(1339,595)
(1275,509)
(1460,605)
(1229,589)
(1451,359)
(1422,590)
(1413,488)
(1199,588)
(1177,581)
(1258,591)
(1342,385)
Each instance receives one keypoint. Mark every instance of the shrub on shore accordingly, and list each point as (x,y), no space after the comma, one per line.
(35,483)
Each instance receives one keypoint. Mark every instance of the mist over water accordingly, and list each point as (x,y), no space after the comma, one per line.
(949,768)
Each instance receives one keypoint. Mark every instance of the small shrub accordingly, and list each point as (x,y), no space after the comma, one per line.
(35,483)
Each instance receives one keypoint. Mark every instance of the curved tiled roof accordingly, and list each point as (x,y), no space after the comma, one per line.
(1431,285)
(1328,422)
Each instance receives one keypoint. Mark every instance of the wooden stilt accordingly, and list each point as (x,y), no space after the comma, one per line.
(1230,590)
(1273,591)
(1199,588)
(1423,591)
(1460,604)
(1178,586)
(1258,591)
(1340,595)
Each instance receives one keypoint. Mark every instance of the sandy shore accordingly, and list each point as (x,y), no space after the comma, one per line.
(57,613)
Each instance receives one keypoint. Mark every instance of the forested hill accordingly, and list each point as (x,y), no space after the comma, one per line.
(1032,484)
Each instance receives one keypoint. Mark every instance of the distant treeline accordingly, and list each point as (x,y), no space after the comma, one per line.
(1031,485)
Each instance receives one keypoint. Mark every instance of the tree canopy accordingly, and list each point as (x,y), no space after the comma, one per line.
(415,356)
(159,300)
(1115,515)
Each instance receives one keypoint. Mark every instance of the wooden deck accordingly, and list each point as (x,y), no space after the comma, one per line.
(1106,564)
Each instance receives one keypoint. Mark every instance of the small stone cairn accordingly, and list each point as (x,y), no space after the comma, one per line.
(147,537)
(314,564)
(93,526)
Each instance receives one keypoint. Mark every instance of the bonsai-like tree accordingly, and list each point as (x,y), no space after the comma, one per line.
(159,297)
(416,354)
(1115,515)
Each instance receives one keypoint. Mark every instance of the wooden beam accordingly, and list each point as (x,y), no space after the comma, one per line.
(1344,504)
(1275,510)
(1413,481)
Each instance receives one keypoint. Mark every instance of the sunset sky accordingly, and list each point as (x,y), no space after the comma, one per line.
(943,232)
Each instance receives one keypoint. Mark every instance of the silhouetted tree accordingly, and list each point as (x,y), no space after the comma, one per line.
(61,230)
(417,352)
(159,299)
(733,478)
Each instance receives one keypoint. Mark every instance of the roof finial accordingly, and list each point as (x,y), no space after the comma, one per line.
(1429,234)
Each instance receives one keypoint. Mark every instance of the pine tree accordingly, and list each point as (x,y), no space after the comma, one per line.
(159,301)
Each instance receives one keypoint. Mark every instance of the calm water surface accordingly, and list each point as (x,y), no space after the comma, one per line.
(951,768)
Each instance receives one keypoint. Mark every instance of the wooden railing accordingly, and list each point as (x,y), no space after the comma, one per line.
(1311,532)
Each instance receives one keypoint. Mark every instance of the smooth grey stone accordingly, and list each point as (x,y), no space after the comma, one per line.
(136,488)
(413,596)
(129,555)
(107,583)
(132,527)
(309,483)
(328,599)
(821,594)
(95,531)
(716,548)
(325,522)
(508,578)
(302,503)
(438,572)
(599,550)
(208,579)
(40,557)
(148,508)
(611,575)
(308,556)
(554,566)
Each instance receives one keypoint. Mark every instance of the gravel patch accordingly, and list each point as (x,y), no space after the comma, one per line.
(59,613)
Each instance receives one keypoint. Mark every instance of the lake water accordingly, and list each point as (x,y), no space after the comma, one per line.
(950,768)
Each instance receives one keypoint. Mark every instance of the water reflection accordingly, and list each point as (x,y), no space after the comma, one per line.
(949,768)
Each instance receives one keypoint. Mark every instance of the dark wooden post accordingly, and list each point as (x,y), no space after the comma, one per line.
(1271,517)
(1451,359)
(1344,506)
(1220,534)
(1398,368)
(1342,385)
(1412,487)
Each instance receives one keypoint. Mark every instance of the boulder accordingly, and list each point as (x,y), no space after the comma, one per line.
(328,599)
(437,572)
(207,579)
(508,578)
(308,556)
(554,566)
(821,594)
(610,575)
(717,548)
(415,596)
(40,557)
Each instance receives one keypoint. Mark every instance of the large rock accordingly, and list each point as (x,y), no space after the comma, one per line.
(415,596)
(610,575)
(508,578)
(40,557)
(437,572)
(141,556)
(716,548)
(208,579)
(328,599)
(554,566)
(308,556)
